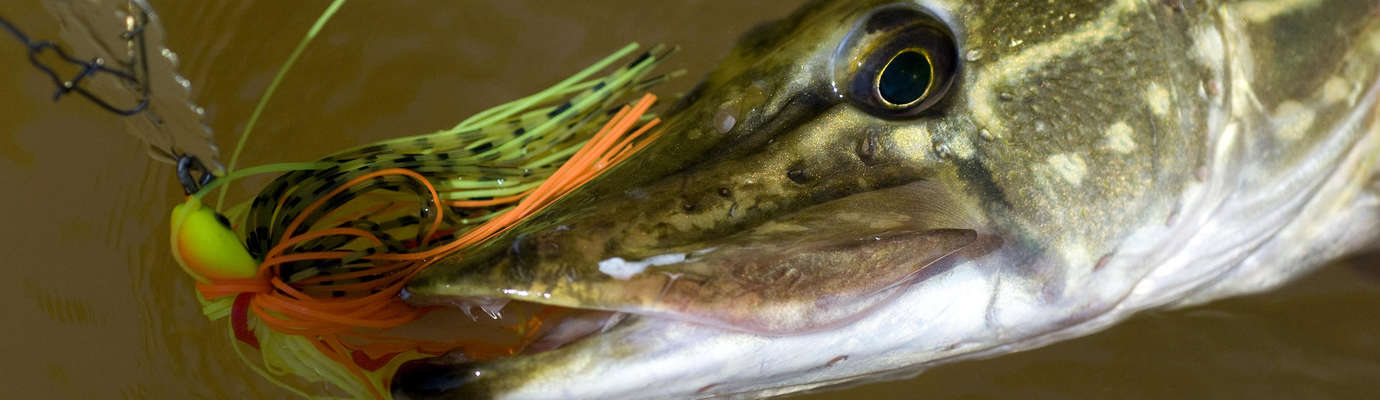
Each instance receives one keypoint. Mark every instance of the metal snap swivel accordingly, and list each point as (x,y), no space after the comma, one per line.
(187,165)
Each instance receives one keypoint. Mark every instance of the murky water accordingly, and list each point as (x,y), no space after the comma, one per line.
(94,306)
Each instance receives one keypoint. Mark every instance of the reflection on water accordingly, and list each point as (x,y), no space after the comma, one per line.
(97,309)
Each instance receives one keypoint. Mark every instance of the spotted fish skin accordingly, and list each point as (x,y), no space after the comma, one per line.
(1108,157)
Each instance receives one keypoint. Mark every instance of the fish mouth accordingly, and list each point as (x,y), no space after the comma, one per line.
(797,273)
(799,222)
(813,270)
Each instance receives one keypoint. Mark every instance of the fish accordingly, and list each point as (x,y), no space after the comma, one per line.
(863,190)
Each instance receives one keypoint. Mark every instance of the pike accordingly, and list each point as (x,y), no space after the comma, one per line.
(866,189)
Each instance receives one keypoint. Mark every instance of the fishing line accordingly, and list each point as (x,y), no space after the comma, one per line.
(273,87)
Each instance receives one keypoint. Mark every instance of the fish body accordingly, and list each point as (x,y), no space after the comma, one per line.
(1054,168)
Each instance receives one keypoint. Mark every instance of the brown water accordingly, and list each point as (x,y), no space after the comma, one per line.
(94,306)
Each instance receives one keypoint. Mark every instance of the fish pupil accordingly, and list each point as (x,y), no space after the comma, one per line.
(905,79)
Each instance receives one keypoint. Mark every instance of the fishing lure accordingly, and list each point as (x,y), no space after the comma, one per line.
(309,271)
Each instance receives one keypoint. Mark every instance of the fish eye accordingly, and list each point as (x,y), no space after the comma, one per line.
(898,62)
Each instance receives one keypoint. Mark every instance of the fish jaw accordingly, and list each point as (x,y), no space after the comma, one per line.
(971,310)
(662,358)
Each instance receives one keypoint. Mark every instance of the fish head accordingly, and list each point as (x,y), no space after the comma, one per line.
(859,190)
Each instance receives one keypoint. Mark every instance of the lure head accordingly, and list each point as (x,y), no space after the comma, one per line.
(206,246)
